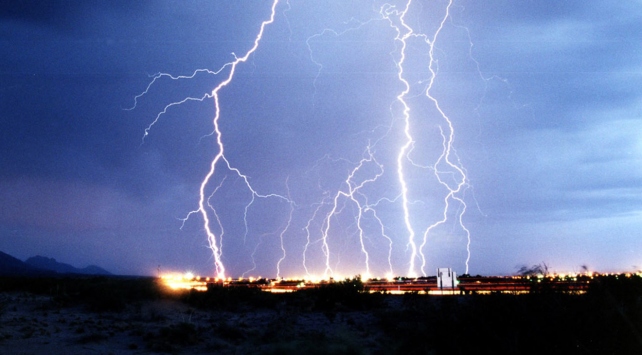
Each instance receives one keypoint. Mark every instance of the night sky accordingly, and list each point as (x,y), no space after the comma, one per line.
(544,165)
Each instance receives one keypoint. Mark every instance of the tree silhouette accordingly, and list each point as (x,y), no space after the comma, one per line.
(537,269)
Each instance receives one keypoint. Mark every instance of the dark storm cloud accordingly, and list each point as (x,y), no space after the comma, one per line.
(569,72)
(548,130)
(554,173)
(67,77)
(586,42)
(63,15)
(52,13)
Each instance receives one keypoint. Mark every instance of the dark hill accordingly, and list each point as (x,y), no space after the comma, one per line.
(51,264)
(94,270)
(13,266)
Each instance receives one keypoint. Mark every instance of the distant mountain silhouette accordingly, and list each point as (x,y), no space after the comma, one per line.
(51,264)
(13,266)
(42,266)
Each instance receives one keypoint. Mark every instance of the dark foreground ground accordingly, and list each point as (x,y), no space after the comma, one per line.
(107,315)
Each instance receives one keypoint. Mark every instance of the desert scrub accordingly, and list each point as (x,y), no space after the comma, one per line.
(229,298)
(169,338)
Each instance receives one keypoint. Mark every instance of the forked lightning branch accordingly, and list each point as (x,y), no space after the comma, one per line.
(377,198)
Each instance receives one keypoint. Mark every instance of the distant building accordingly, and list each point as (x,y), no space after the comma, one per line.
(446,278)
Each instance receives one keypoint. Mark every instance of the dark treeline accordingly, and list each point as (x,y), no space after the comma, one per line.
(607,319)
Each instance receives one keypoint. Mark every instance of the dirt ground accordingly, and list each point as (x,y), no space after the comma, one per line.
(34,324)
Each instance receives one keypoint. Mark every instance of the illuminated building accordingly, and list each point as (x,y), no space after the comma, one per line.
(446,278)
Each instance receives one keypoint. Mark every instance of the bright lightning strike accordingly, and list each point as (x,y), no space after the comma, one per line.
(365,211)
(350,191)
(204,207)
(406,34)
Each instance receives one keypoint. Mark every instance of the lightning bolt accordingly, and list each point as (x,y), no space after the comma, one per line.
(204,206)
(382,231)
(281,235)
(351,191)
(461,181)
(403,151)
(361,189)
(216,244)
(404,34)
